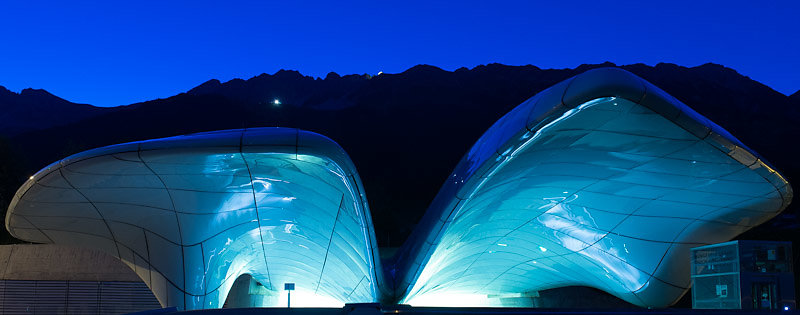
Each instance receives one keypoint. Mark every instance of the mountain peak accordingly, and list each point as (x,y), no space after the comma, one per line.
(423,68)
(40,94)
(332,75)
(27,92)
(283,73)
(710,66)
(33,91)
(206,87)
(586,67)
(795,97)
(5,92)
(22,111)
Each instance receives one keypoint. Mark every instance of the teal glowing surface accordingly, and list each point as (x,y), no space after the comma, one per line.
(607,193)
(190,214)
(602,180)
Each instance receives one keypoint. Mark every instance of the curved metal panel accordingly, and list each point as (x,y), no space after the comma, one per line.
(602,180)
(191,213)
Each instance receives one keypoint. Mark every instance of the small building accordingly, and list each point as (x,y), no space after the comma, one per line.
(53,279)
(754,275)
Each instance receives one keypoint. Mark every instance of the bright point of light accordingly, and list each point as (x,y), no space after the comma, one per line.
(276,102)
(289,198)
(501,244)
(566,192)
(31,177)
(785,308)
(542,249)
(380,72)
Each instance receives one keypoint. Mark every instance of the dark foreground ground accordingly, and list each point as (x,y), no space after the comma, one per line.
(377,309)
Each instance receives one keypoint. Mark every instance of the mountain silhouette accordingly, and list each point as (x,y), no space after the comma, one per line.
(795,97)
(33,109)
(405,132)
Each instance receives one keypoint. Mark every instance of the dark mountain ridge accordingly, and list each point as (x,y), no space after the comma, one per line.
(795,97)
(405,132)
(33,109)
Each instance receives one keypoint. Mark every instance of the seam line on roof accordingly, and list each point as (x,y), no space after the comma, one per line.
(150,268)
(149,265)
(151,231)
(645,91)
(356,286)
(255,204)
(564,93)
(177,220)
(114,155)
(110,232)
(590,245)
(36,227)
(330,241)
(205,273)
(632,214)
(379,285)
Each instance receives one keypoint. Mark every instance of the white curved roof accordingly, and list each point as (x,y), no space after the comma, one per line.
(604,181)
(191,213)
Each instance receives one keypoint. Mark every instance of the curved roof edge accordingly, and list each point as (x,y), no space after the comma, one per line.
(271,139)
(541,109)
(277,139)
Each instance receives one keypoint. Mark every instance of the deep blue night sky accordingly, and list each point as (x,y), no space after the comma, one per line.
(110,53)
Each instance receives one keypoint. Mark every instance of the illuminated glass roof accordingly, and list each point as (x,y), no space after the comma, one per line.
(602,181)
(190,214)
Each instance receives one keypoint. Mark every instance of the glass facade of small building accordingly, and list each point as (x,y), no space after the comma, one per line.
(755,275)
